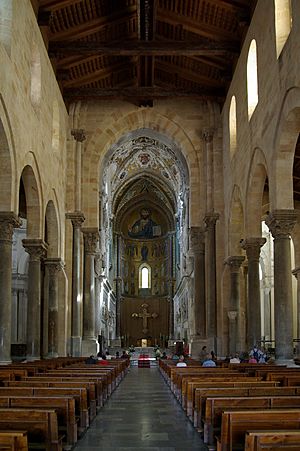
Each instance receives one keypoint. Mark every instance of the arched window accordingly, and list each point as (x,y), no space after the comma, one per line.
(6,24)
(283,23)
(232,126)
(145,276)
(252,81)
(35,81)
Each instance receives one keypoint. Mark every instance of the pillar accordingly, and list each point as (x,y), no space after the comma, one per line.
(281,223)
(53,267)
(296,273)
(171,284)
(77,219)
(98,280)
(211,284)
(8,221)
(252,247)
(91,239)
(36,248)
(234,263)
(207,136)
(79,136)
(197,246)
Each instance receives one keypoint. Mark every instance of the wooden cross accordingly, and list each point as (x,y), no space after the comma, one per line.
(145,315)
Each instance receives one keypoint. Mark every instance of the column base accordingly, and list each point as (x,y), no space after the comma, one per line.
(196,346)
(89,347)
(32,358)
(115,343)
(76,346)
(51,355)
(287,362)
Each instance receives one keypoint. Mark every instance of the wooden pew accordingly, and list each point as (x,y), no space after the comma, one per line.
(235,424)
(279,440)
(78,393)
(40,424)
(13,440)
(201,394)
(64,407)
(191,386)
(215,406)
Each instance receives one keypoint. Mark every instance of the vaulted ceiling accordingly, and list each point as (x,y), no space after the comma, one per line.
(142,50)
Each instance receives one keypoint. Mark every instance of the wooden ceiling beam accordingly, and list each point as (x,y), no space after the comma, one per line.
(55,5)
(188,75)
(141,93)
(94,76)
(87,28)
(144,48)
(201,28)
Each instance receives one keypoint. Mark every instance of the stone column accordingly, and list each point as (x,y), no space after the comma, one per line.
(118,282)
(8,221)
(77,219)
(91,238)
(98,281)
(36,248)
(296,273)
(234,263)
(197,251)
(281,223)
(79,136)
(207,136)
(211,285)
(252,247)
(53,267)
(171,283)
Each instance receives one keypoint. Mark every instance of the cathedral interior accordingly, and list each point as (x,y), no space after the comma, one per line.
(149,176)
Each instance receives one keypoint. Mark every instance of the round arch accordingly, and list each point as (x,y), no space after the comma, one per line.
(51,230)
(287,127)
(255,194)
(8,196)
(33,202)
(106,138)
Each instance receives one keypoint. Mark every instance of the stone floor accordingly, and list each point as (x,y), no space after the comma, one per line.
(141,415)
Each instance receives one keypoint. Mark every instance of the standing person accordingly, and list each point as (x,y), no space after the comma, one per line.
(203,354)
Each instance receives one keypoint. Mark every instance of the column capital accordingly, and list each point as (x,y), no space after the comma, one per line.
(252,247)
(77,218)
(78,134)
(91,239)
(207,134)
(8,221)
(296,271)
(54,265)
(210,220)
(281,222)
(36,248)
(232,315)
(234,262)
(196,240)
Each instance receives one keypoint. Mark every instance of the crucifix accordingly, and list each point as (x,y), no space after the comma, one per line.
(144,315)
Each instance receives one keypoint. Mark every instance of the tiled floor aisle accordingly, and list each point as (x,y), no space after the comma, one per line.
(141,415)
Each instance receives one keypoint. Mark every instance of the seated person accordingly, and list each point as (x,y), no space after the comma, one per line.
(91,360)
(235,359)
(208,361)
(164,356)
(181,362)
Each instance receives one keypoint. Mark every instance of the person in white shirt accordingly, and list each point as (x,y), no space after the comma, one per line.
(181,361)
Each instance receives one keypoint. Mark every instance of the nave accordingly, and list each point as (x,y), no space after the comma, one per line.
(142,414)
